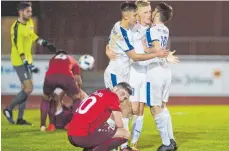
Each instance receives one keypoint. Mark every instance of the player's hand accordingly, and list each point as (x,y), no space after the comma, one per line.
(49,45)
(163,53)
(171,58)
(25,63)
(33,68)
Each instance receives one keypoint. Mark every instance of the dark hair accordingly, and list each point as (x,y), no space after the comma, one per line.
(23,5)
(61,51)
(128,6)
(165,10)
(125,86)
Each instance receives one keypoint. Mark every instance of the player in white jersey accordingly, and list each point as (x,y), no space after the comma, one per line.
(138,71)
(121,42)
(159,76)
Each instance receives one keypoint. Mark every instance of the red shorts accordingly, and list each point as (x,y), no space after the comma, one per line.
(100,135)
(65,82)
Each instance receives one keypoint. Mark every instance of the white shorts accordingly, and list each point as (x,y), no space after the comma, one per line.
(112,78)
(138,82)
(157,85)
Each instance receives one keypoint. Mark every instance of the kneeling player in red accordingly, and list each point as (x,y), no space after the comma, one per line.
(89,128)
(63,72)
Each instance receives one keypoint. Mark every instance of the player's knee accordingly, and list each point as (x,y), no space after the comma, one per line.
(47,97)
(135,111)
(28,90)
(156,110)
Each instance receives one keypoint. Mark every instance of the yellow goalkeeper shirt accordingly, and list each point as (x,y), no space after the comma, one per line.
(22,38)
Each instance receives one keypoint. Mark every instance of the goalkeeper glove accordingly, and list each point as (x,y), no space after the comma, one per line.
(47,44)
(25,63)
(33,68)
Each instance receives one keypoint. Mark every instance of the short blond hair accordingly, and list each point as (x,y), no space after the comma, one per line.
(142,3)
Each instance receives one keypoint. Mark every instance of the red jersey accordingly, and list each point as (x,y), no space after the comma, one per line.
(92,112)
(63,64)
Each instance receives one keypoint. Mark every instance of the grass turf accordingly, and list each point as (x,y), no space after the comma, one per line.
(196,128)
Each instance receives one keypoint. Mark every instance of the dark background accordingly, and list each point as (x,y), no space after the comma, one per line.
(198,28)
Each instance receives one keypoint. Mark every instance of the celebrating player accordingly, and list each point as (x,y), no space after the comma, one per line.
(121,42)
(22,38)
(159,75)
(138,70)
(89,129)
(63,73)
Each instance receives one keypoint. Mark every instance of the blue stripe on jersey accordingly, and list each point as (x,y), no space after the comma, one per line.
(113,79)
(124,34)
(148,38)
(148,93)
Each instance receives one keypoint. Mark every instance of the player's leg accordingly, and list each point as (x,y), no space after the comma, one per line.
(138,118)
(48,88)
(27,87)
(154,100)
(164,106)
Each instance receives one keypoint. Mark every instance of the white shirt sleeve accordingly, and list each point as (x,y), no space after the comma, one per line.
(152,35)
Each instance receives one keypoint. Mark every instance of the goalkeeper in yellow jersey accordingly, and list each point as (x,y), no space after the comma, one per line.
(22,38)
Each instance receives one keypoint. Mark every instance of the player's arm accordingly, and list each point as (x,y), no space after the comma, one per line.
(110,54)
(117,115)
(142,57)
(128,48)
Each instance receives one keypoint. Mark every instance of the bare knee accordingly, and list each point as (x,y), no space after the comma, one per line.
(155,110)
(135,108)
(28,86)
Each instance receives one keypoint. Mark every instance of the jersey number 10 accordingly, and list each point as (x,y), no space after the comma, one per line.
(89,105)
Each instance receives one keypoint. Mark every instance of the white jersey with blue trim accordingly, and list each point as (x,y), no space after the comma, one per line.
(139,32)
(120,41)
(158,32)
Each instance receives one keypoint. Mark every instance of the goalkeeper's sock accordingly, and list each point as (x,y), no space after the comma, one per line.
(126,126)
(137,128)
(169,126)
(161,120)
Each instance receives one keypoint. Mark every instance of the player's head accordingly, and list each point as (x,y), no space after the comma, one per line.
(60,51)
(123,90)
(129,12)
(163,12)
(25,10)
(144,12)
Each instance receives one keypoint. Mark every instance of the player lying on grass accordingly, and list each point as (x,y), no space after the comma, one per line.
(61,109)
(89,128)
(64,73)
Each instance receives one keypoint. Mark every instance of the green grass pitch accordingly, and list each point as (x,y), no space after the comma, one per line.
(196,128)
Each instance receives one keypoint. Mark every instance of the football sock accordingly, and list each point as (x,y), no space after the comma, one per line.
(18,99)
(161,120)
(170,126)
(44,109)
(137,128)
(126,126)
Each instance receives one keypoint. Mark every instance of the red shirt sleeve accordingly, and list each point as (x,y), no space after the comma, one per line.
(75,66)
(114,103)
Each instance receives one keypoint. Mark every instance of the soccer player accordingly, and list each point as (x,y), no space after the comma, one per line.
(22,38)
(121,42)
(63,73)
(64,111)
(159,75)
(89,128)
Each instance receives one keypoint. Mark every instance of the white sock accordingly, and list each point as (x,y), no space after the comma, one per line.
(126,126)
(161,123)
(137,128)
(170,126)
